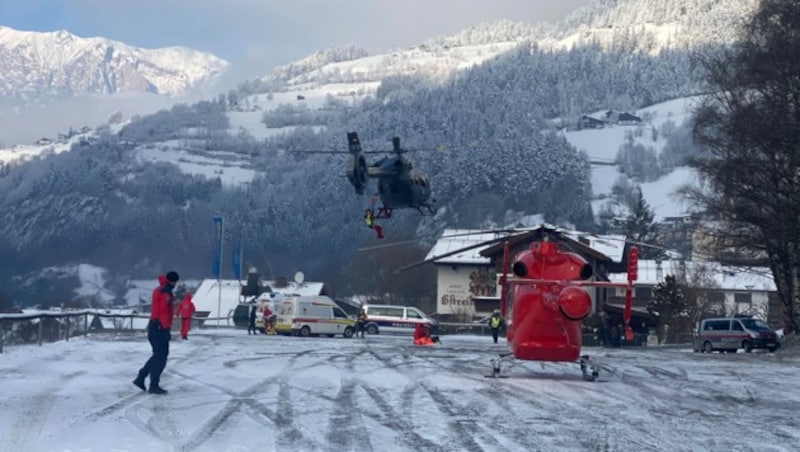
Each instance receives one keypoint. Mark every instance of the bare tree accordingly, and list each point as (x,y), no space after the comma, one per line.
(749,127)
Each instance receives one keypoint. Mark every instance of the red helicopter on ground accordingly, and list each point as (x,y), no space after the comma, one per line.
(544,303)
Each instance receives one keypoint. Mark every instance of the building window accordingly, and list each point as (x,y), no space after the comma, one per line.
(743,298)
(644,292)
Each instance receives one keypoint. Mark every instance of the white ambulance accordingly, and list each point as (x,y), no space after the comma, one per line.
(312,315)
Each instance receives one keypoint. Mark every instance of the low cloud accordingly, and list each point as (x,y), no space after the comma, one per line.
(24,125)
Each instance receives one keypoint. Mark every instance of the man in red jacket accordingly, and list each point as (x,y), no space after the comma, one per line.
(158,333)
(185,311)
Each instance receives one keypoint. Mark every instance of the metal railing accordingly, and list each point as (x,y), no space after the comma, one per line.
(53,326)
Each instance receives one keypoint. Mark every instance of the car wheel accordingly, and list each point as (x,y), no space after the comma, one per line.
(707,347)
(372,329)
(747,346)
(305,331)
(348,332)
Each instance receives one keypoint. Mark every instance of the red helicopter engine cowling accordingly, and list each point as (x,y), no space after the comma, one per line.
(574,303)
(545,313)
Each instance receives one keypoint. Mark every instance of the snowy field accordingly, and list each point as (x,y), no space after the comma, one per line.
(234,392)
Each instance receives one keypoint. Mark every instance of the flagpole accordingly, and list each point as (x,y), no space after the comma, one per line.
(219,274)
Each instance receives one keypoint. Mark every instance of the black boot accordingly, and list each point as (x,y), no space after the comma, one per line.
(139,382)
(157,390)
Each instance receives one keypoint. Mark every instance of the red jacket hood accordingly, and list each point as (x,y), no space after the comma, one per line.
(162,279)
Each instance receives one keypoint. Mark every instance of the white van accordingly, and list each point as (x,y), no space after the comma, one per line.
(728,334)
(317,315)
(395,319)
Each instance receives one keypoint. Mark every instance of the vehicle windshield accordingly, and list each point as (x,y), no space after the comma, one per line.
(755,324)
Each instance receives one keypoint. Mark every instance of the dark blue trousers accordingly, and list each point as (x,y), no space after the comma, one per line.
(159,341)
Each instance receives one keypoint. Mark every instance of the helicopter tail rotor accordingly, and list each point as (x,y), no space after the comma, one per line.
(357,173)
(354,143)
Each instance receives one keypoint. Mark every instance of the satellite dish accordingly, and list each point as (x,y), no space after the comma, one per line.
(299,277)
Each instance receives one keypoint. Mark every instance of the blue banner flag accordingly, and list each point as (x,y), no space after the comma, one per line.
(216,266)
(237,261)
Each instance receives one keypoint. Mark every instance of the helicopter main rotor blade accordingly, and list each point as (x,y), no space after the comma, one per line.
(388,245)
(449,253)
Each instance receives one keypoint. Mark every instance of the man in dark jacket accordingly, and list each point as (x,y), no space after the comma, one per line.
(158,333)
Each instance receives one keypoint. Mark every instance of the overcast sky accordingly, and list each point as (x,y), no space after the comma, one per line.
(260,34)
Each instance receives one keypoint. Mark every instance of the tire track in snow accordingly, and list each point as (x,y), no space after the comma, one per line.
(458,433)
(346,429)
(391,419)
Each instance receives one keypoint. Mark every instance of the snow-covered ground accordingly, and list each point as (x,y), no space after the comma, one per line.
(234,392)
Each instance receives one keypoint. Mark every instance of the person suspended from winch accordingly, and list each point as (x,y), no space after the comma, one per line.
(369,218)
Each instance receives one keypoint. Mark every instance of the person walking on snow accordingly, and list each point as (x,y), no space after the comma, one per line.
(158,333)
(185,311)
(495,322)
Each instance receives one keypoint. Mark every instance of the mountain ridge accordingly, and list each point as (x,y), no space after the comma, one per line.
(39,65)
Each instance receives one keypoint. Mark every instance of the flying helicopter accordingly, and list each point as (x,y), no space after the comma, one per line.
(399,185)
(542,297)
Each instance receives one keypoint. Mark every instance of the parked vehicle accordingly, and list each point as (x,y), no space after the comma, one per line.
(395,319)
(728,334)
(312,315)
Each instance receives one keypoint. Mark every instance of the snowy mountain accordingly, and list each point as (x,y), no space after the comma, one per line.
(36,65)
(648,26)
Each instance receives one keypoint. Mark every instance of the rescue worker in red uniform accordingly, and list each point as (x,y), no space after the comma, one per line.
(267,316)
(422,335)
(158,333)
(185,311)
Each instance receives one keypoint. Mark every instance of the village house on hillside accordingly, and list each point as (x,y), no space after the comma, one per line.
(588,122)
(622,118)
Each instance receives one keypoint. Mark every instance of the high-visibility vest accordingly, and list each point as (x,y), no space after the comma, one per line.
(494,322)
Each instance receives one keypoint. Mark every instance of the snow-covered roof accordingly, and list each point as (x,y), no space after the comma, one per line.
(207,297)
(724,277)
(612,246)
(455,239)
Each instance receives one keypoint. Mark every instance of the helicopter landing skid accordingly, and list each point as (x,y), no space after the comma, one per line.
(497,362)
(589,369)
